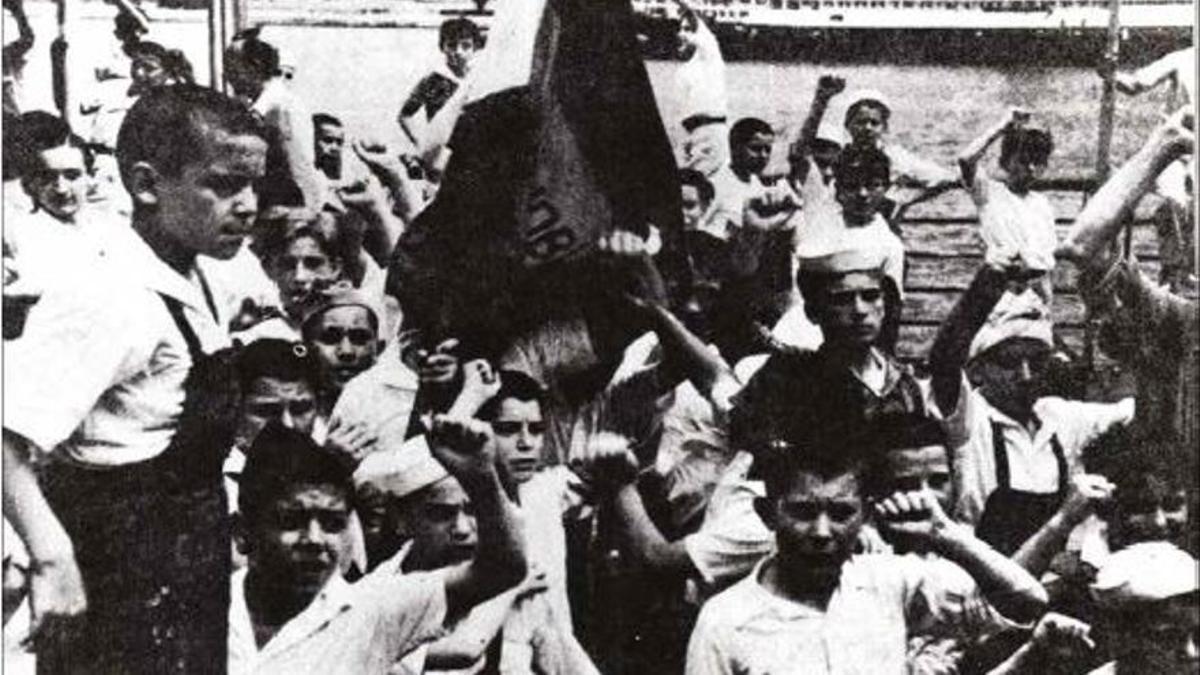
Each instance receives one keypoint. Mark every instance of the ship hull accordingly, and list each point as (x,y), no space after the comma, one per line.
(978,46)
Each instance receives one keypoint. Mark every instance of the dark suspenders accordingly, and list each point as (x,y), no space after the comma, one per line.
(1000,452)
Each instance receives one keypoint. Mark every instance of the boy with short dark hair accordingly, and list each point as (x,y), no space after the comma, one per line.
(293,612)
(815,607)
(459,40)
(137,387)
(1014,219)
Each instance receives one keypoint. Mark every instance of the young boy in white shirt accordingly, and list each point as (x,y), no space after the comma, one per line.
(1013,218)
(814,607)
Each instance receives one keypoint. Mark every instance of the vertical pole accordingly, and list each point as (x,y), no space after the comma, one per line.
(216,44)
(58,63)
(1111,57)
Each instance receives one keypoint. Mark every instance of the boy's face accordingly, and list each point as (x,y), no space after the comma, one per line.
(693,206)
(867,126)
(860,198)
(241,76)
(291,403)
(146,71)
(441,523)
(209,207)
(330,139)
(1020,172)
(58,185)
(919,469)
(302,271)
(816,524)
(1011,375)
(345,343)
(459,54)
(752,156)
(300,539)
(1156,512)
(852,310)
(519,431)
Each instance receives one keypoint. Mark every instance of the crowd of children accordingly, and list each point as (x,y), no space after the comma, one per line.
(226,450)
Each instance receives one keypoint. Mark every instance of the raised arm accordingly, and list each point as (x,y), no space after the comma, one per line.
(953,342)
(1149,76)
(55,585)
(465,448)
(1089,242)
(1039,550)
(968,159)
(828,86)
(613,467)
(1005,585)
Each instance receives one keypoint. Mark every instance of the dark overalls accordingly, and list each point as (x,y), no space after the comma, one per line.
(1010,517)
(152,540)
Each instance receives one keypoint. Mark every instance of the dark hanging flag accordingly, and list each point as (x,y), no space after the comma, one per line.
(559,142)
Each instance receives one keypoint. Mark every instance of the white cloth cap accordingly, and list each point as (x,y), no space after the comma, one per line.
(1016,316)
(399,472)
(1144,573)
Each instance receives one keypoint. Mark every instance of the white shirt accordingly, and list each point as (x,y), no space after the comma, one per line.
(733,538)
(749,630)
(729,202)
(98,375)
(381,398)
(356,629)
(1012,223)
(1032,466)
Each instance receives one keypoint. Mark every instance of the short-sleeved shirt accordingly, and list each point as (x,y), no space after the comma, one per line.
(1032,465)
(864,629)
(1012,223)
(733,538)
(431,93)
(97,378)
(730,195)
(356,629)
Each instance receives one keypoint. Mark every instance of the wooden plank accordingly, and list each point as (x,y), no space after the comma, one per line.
(933,308)
(915,341)
(964,239)
(933,273)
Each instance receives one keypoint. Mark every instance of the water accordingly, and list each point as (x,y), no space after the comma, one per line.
(363,74)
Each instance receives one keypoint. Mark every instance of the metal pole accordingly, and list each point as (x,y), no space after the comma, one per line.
(216,44)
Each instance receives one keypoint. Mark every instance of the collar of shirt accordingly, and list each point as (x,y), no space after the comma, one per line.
(273,92)
(244,652)
(134,257)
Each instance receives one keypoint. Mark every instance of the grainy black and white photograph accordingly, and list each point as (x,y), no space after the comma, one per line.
(600,337)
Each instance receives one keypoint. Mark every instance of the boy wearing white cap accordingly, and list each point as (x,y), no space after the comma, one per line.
(1019,449)
(344,334)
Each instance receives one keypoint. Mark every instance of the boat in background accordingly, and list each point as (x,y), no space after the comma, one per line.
(1045,32)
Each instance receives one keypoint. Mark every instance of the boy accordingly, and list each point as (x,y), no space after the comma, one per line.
(459,40)
(344,336)
(861,180)
(1014,463)
(292,612)
(108,379)
(429,512)
(814,607)
(1014,219)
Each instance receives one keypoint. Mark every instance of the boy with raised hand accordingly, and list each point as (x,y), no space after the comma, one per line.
(815,607)
(1013,218)
(293,612)
(1019,448)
